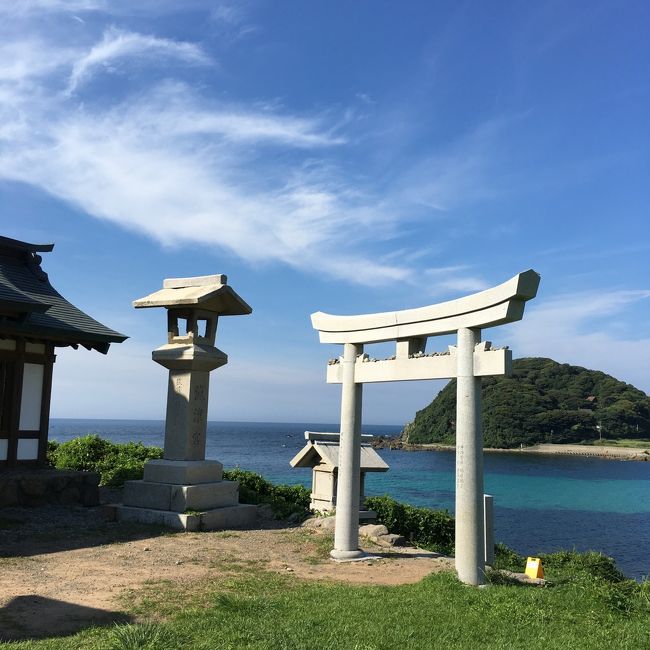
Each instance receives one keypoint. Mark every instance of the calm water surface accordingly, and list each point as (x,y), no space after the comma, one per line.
(542,503)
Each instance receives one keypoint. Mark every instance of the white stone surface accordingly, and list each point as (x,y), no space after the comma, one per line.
(239,516)
(183,472)
(486,363)
(217,297)
(470,560)
(522,286)
(327,454)
(196,281)
(179,498)
(496,306)
(187,415)
(346,535)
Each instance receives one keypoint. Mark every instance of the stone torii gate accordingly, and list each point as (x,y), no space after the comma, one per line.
(467,362)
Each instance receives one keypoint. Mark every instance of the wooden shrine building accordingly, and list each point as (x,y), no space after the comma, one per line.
(34,319)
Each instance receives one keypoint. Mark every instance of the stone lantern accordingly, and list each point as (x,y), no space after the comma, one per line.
(183,480)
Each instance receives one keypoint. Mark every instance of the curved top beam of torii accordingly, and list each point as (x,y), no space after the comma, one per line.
(496,306)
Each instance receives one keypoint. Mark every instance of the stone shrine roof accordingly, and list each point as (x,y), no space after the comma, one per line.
(30,307)
(324,449)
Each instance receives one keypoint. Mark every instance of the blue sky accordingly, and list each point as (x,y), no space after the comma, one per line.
(343,157)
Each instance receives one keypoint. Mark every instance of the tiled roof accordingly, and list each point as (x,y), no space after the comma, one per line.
(37,309)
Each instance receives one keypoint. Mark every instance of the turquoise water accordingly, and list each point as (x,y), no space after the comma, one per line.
(542,503)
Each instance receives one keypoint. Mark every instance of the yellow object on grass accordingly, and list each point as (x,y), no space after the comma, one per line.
(534,568)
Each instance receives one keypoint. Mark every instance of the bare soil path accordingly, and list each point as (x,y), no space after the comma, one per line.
(62,569)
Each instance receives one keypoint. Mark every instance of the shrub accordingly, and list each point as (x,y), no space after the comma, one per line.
(597,573)
(506,558)
(285,500)
(429,529)
(114,462)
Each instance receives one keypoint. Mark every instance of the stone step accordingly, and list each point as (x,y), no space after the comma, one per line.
(180,498)
(238,516)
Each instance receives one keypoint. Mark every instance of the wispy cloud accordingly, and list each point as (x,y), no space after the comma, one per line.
(117,44)
(171,162)
(28,7)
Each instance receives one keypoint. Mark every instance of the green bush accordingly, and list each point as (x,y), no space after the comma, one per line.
(506,558)
(285,500)
(429,529)
(591,563)
(114,462)
(598,574)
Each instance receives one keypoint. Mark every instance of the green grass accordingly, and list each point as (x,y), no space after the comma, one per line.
(621,442)
(588,605)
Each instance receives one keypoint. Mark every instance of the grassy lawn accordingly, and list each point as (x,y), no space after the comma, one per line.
(622,442)
(584,606)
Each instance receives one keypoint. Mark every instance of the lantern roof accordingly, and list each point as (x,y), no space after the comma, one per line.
(207,293)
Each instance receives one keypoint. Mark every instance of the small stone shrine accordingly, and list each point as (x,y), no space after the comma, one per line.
(184,490)
(321,453)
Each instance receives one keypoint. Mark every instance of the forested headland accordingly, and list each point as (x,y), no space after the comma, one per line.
(542,402)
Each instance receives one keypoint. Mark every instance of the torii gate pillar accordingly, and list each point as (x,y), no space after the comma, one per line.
(469,462)
(346,534)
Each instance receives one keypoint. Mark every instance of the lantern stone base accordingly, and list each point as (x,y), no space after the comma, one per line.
(238,516)
(186,495)
(180,498)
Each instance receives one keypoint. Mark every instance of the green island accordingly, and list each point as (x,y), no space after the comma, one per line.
(543,402)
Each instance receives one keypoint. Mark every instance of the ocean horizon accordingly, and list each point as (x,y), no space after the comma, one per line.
(542,503)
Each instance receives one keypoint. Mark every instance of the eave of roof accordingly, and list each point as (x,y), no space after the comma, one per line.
(44,313)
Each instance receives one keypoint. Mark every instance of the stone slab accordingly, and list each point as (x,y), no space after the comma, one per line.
(183,472)
(239,516)
(179,498)
(205,496)
(197,281)
(166,518)
(145,494)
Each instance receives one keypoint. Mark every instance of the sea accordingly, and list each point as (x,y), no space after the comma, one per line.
(541,503)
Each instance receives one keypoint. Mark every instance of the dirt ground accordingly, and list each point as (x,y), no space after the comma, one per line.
(65,568)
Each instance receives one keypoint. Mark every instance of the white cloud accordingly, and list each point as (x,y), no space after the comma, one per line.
(24,60)
(117,44)
(566,329)
(183,169)
(27,7)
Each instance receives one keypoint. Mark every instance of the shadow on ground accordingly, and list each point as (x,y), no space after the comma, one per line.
(50,529)
(25,532)
(34,617)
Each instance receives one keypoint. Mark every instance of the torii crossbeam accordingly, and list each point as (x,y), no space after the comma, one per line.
(467,362)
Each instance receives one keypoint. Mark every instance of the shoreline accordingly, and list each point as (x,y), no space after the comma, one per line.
(610,453)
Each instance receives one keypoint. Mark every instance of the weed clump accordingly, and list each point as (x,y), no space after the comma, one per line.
(114,462)
(427,528)
(285,500)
